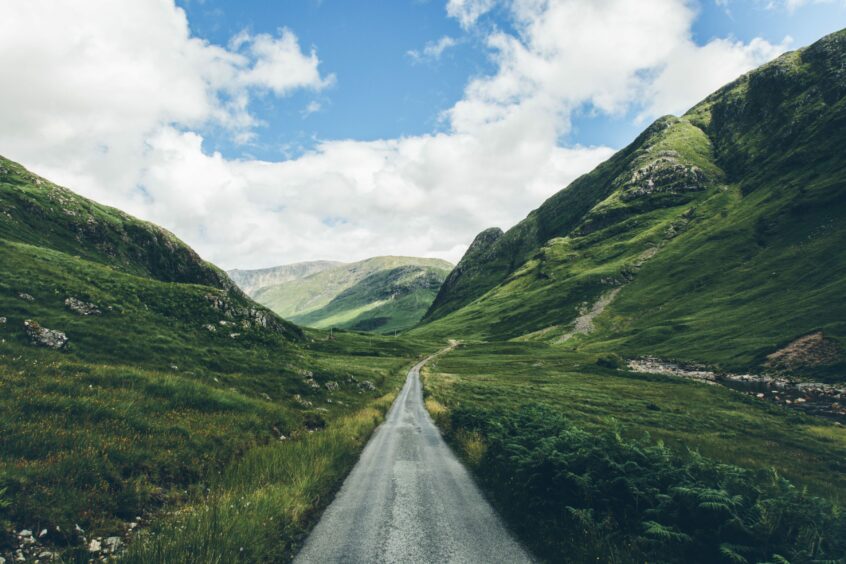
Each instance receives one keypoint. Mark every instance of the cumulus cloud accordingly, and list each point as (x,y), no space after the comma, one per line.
(86,83)
(433,50)
(116,110)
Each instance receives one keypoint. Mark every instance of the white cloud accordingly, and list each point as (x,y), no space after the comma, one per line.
(312,107)
(114,110)
(433,50)
(279,64)
(86,83)
(468,11)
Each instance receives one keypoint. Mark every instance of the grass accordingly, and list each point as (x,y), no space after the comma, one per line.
(719,423)
(262,506)
(549,433)
(146,408)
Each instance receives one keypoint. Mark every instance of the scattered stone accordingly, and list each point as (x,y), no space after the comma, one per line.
(366,385)
(234,335)
(80,307)
(303,402)
(2,322)
(265,396)
(210,328)
(94,546)
(25,533)
(26,297)
(78,529)
(42,533)
(331,386)
(44,337)
(174,367)
(46,555)
(113,543)
(313,383)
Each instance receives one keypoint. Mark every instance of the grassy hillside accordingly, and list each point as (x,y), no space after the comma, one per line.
(251,281)
(713,237)
(381,294)
(716,238)
(133,374)
(589,463)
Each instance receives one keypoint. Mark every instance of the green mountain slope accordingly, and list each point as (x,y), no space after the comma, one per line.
(716,237)
(132,374)
(380,294)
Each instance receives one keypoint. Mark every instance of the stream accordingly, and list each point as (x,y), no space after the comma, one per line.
(826,400)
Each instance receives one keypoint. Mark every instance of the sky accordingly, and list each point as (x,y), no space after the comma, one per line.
(270,132)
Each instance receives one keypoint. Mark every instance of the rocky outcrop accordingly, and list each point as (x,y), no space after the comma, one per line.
(664,175)
(249,316)
(44,337)
(80,307)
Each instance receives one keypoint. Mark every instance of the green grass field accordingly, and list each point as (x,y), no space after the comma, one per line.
(478,390)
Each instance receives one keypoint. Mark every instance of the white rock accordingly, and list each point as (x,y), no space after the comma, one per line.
(25,533)
(42,533)
(94,546)
(113,543)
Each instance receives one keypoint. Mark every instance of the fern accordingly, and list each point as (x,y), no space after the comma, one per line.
(657,530)
(731,552)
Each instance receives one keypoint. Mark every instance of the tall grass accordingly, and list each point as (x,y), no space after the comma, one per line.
(261,507)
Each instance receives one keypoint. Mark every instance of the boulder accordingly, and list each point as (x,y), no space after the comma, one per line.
(44,337)
(331,386)
(26,297)
(80,307)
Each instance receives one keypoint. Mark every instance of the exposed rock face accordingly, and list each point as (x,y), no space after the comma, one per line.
(250,316)
(664,175)
(811,350)
(45,337)
(80,307)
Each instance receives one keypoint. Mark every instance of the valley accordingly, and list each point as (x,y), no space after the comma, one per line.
(154,408)
(380,294)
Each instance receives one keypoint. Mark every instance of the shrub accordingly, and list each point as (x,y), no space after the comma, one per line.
(579,496)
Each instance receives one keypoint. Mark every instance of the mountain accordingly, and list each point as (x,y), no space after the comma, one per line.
(251,281)
(133,373)
(380,294)
(716,236)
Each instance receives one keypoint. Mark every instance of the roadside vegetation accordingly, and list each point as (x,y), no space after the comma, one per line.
(262,506)
(133,376)
(586,461)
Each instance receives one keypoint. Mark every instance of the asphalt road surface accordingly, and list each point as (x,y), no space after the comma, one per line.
(408,499)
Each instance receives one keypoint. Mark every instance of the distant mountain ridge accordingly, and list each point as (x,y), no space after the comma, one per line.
(251,281)
(381,294)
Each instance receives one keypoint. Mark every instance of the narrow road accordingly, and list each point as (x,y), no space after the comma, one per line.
(409,499)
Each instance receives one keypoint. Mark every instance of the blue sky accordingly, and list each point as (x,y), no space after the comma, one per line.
(269,132)
(382,92)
